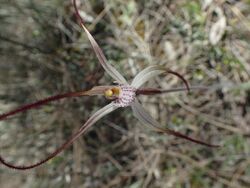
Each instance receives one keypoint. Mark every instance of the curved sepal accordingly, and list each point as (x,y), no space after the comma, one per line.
(152,71)
(93,119)
(146,74)
(99,53)
(144,117)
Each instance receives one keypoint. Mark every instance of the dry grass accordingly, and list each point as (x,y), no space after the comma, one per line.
(44,52)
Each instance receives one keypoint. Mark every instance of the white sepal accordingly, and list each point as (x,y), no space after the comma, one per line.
(103,60)
(147,74)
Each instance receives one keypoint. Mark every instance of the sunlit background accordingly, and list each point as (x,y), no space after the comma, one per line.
(44,52)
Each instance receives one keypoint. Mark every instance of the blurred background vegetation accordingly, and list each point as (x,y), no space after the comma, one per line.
(44,52)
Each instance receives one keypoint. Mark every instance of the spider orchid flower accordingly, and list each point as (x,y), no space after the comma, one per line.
(121,95)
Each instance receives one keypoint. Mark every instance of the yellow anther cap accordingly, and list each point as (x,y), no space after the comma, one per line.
(108,93)
(116,91)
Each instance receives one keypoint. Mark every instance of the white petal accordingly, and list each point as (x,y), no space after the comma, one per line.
(101,57)
(94,118)
(103,60)
(98,115)
(146,75)
(142,115)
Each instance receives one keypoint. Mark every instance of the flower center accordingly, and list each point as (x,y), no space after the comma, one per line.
(124,95)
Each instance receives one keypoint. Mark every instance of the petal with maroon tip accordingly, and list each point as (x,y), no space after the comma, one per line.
(42,102)
(144,117)
(99,53)
(93,119)
(152,71)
